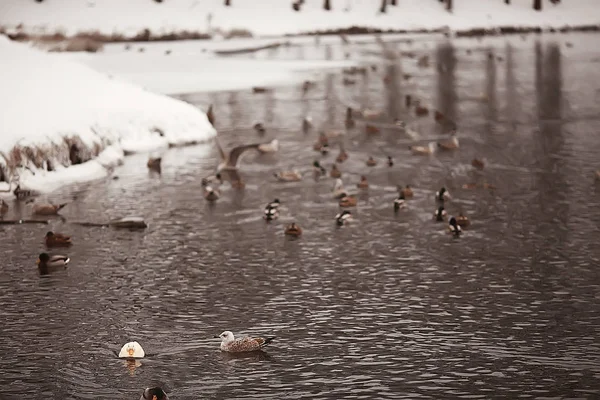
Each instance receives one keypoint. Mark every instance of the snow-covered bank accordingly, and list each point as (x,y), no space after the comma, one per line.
(55,113)
(276,17)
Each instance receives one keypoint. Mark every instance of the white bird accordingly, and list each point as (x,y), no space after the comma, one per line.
(423,150)
(338,189)
(132,350)
(232,345)
(270,147)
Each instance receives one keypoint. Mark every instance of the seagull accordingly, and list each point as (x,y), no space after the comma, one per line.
(232,345)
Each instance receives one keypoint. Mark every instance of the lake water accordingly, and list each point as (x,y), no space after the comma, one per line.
(389,307)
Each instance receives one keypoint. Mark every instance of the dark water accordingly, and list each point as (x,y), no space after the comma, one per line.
(391,307)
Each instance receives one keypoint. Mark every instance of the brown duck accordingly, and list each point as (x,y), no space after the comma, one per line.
(57,240)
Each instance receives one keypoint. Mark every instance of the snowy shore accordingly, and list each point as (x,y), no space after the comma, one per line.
(56,113)
(276,17)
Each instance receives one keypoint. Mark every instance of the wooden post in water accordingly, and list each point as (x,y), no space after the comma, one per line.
(537,5)
(383,6)
(327,5)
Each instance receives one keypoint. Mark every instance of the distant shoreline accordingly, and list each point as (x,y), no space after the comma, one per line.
(92,41)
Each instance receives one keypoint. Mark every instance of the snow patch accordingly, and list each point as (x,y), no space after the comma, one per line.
(63,122)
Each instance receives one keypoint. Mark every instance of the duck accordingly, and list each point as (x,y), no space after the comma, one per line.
(348,201)
(293,230)
(338,189)
(363,184)
(335,172)
(371,162)
(477,163)
(440,214)
(271,147)
(274,204)
(154,164)
(423,61)
(211,115)
(343,218)
(213,179)
(421,111)
(57,240)
(323,140)
(422,150)
(232,345)
(347,81)
(259,128)
(449,144)
(211,194)
(342,156)
(488,186)
(371,114)
(410,132)
(22,194)
(406,191)
(454,228)
(463,220)
(271,213)
(438,116)
(3,207)
(307,124)
(318,169)
(349,118)
(371,129)
(47,263)
(47,209)
(390,161)
(132,350)
(400,202)
(288,176)
(442,195)
(154,393)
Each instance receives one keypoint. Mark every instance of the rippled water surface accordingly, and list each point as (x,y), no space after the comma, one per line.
(390,307)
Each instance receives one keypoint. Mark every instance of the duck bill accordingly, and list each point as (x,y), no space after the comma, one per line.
(216,337)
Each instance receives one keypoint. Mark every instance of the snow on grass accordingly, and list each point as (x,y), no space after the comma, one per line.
(275,17)
(56,113)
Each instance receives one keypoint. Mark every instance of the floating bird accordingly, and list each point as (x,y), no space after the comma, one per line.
(348,201)
(371,129)
(288,176)
(57,240)
(440,214)
(21,194)
(3,207)
(232,345)
(154,164)
(406,191)
(423,61)
(371,114)
(400,202)
(306,124)
(47,209)
(390,162)
(154,393)
(271,213)
(343,218)
(449,144)
(477,163)
(259,128)
(421,111)
(463,220)
(338,189)
(343,156)
(211,194)
(335,172)
(271,147)
(454,228)
(132,350)
(349,118)
(442,195)
(363,184)
(371,162)
(47,263)
(318,169)
(347,81)
(213,179)
(274,204)
(293,230)
(438,116)
(422,150)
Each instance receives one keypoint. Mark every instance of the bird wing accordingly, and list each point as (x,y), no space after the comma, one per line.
(230,175)
(236,152)
(221,152)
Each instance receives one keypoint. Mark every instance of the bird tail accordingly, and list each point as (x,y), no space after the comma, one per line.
(268,340)
(61,206)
